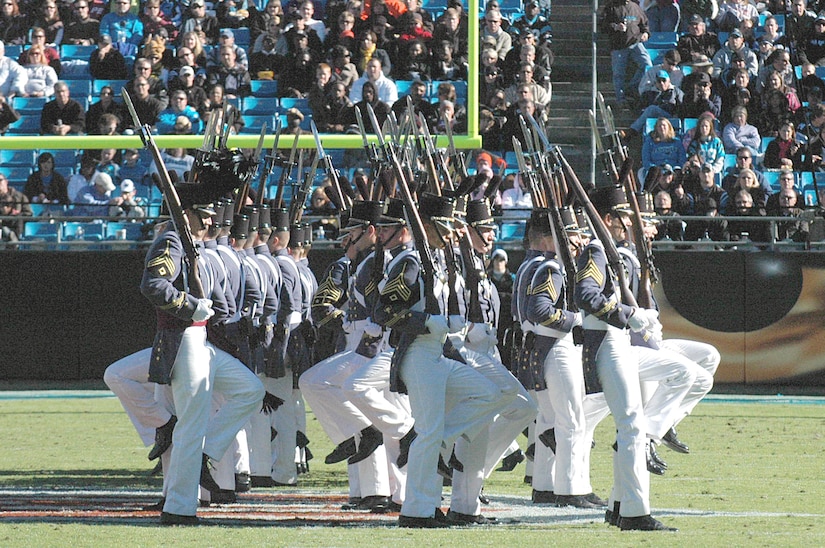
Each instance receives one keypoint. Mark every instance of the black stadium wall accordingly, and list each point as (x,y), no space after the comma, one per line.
(67,315)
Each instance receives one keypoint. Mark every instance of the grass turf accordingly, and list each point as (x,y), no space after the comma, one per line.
(754,477)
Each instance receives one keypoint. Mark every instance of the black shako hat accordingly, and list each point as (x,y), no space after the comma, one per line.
(363,214)
(540,221)
(279,218)
(438,209)
(240,227)
(609,198)
(479,214)
(253,212)
(393,213)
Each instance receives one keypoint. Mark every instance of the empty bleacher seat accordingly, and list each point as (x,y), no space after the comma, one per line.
(134,231)
(16,176)
(772,178)
(242,36)
(79,89)
(260,106)
(253,123)
(662,40)
(91,232)
(76,51)
(36,230)
(293,102)
(264,88)
(17,158)
(26,125)
(28,105)
(511,231)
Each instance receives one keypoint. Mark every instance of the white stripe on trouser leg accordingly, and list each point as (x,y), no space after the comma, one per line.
(191,393)
(544,460)
(128,378)
(285,422)
(619,375)
(467,484)
(259,437)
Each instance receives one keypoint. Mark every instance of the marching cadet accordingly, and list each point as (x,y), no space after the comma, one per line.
(419,368)
(607,349)
(561,465)
(183,358)
(357,440)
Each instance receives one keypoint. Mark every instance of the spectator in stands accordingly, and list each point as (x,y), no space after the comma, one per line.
(525,80)
(333,115)
(670,229)
(739,133)
(784,147)
(185,81)
(811,87)
(297,74)
(732,12)
(511,126)
(414,8)
(187,58)
(493,29)
(745,205)
(175,159)
(19,202)
(697,41)
(669,64)
(707,188)
(542,57)
(417,93)
(147,106)
(700,99)
(385,88)
(661,146)
(663,178)
(448,115)
(799,24)
(490,86)
(744,160)
(14,26)
(121,24)
(663,101)
(154,48)
(369,95)
(715,229)
(231,75)
(447,28)
(790,205)
(41,76)
(143,69)
(706,144)
(50,21)
(94,199)
(106,62)
(7,115)
(321,88)
(39,41)
(737,63)
(779,62)
(739,93)
(735,45)
(261,22)
(342,68)
(10,229)
(192,41)
(132,168)
(215,101)
(227,40)
(532,19)
(787,184)
(775,110)
(343,33)
(45,185)
(266,63)
(63,115)
(367,51)
(518,197)
(127,205)
(663,16)
(415,63)
(626,25)
(82,179)
(109,163)
(746,180)
(106,105)
(307,13)
(232,13)
(414,29)
(13,77)
(197,21)
(772,34)
(484,170)
(298,36)
(178,107)
(82,30)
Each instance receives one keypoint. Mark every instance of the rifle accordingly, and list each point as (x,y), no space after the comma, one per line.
(344,202)
(416,226)
(266,169)
(647,274)
(296,209)
(206,146)
(286,169)
(172,201)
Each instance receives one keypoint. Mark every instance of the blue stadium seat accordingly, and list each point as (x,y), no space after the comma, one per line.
(13,51)
(92,232)
(17,158)
(260,106)
(79,89)
(41,231)
(17,176)
(650,123)
(242,36)
(662,39)
(99,84)
(264,88)
(403,87)
(74,51)
(26,125)
(253,124)
(293,102)
(772,178)
(512,231)
(134,231)
(28,105)
(63,159)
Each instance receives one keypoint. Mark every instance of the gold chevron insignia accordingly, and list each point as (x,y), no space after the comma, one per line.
(397,290)
(555,317)
(547,286)
(162,266)
(327,292)
(590,271)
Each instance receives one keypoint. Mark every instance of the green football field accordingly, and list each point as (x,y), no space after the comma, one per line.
(74,473)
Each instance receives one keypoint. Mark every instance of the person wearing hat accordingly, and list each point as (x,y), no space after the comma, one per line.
(106,62)
(723,59)
(663,102)
(197,20)
(624,22)
(780,61)
(194,369)
(733,12)
(701,98)
(226,38)
(697,40)
(419,367)
(93,201)
(708,188)
(611,366)
(127,204)
(669,64)
(533,19)
(351,333)
(185,79)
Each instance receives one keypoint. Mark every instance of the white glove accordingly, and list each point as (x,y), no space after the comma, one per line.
(477,333)
(643,319)
(656,332)
(203,311)
(373,330)
(578,319)
(436,324)
(456,323)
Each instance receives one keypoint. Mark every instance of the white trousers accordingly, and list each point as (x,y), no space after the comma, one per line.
(199,369)
(707,357)
(618,371)
(674,375)
(128,378)
(448,399)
